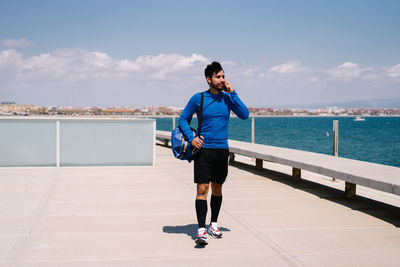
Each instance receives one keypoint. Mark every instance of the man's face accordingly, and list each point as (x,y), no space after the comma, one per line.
(217,81)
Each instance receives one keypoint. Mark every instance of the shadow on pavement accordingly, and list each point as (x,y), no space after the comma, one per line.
(189,229)
(380,210)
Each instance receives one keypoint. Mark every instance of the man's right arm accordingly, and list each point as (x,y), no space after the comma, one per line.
(186,116)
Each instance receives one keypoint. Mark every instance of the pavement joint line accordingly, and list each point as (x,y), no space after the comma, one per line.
(118,214)
(350,253)
(290,259)
(273,230)
(150,258)
(112,201)
(119,191)
(17,251)
(350,228)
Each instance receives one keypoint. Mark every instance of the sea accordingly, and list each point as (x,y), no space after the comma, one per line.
(377,139)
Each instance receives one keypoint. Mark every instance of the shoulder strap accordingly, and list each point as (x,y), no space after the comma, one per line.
(200,114)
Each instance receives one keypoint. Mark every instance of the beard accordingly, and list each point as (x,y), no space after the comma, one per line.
(215,87)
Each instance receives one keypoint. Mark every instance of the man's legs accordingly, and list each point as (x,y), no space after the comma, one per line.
(219,174)
(210,165)
(216,201)
(201,212)
(201,204)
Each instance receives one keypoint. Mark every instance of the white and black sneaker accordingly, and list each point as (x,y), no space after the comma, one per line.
(213,230)
(202,238)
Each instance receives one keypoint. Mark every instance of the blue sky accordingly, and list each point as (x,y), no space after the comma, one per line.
(276,53)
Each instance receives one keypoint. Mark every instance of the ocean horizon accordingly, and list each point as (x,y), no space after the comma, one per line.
(377,139)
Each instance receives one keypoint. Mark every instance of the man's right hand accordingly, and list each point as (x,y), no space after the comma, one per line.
(197,142)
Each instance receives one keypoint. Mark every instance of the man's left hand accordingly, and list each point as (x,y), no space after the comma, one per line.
(229,88)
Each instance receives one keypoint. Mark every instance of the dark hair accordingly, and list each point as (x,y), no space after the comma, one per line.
(211,68)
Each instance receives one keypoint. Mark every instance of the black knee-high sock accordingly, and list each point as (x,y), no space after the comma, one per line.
(201,211)
(215,207)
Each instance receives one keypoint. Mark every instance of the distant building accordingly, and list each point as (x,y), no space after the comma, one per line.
(11,107)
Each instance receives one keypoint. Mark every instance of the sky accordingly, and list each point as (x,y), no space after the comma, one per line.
(140,53)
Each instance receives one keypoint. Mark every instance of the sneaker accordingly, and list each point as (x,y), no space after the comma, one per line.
(202,236)
(214,231)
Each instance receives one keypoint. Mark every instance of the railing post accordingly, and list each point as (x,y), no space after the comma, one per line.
(335,139)
(259,164)
(173,122)
(350,190)
(296,173)
(252,130)
(58,143)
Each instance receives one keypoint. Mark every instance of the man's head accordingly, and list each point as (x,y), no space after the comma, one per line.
(215,76)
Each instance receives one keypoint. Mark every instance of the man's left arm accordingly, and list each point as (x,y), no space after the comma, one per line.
(237,105)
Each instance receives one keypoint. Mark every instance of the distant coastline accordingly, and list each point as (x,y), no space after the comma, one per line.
(13,109)
(280,116)
(177,116)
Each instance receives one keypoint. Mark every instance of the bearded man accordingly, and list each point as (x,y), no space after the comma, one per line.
(211,160)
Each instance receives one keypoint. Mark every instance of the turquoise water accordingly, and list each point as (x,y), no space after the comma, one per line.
(375,140)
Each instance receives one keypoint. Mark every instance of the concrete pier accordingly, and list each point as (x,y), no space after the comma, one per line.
(144,216)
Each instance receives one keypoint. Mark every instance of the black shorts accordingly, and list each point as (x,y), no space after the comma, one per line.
(211,165)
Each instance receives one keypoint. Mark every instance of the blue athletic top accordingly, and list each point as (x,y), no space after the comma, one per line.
(216,111)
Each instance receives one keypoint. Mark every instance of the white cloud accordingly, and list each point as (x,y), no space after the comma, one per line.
(251,72)
(10,65)
(79,76)
(348,65)
(163,65)
(66,65)
(9,58)
(288,68)
(393,72)
(12,43)
(349,71)
(127,66)
(73,65)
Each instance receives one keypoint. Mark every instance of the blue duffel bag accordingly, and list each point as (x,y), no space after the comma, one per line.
(182,148)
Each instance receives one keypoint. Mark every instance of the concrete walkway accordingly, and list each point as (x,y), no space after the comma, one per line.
(144,216)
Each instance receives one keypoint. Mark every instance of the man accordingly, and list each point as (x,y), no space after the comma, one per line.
(211,162)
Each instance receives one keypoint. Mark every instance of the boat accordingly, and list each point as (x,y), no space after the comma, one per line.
(359,118)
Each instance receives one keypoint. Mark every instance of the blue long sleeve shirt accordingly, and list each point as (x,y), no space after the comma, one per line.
(216,112)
